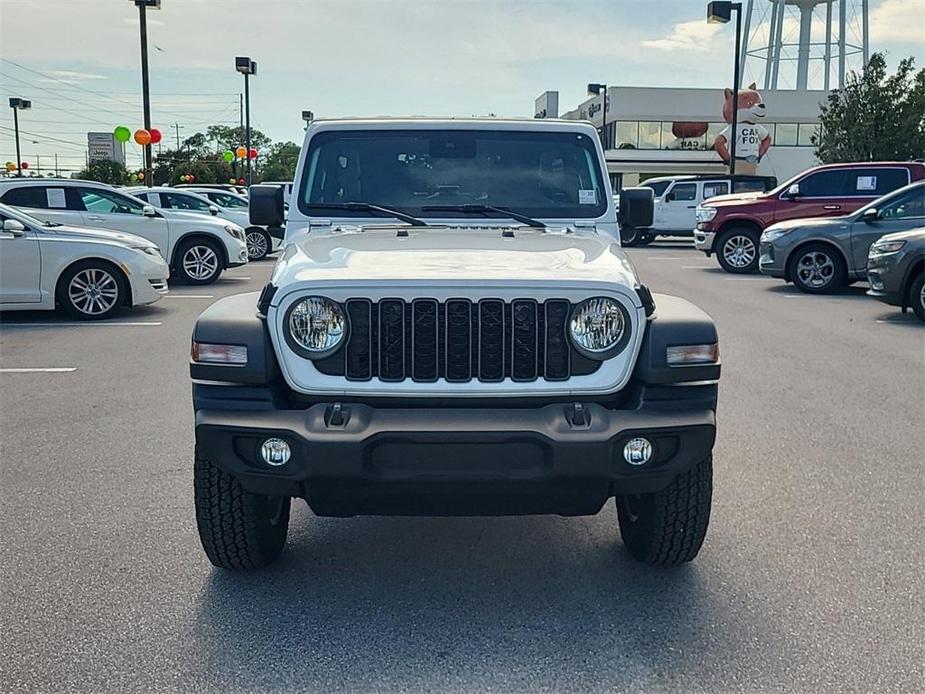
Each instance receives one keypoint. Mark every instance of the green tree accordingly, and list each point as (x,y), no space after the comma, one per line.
(280,162)
(875,117)
(105,171)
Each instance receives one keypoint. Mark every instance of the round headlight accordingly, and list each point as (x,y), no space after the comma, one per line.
(597,326)
(317,325)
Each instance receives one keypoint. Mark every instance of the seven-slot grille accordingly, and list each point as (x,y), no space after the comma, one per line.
(457,340)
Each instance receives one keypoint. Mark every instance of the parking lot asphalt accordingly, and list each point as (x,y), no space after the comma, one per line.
(810,578)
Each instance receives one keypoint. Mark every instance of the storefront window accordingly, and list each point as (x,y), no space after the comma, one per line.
(807,131)
(785,135)
(650,135)
(627,135)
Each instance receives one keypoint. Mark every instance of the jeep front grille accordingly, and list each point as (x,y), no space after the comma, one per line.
(458,340)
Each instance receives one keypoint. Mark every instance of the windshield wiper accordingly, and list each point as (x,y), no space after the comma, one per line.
(484,209)
(368,207)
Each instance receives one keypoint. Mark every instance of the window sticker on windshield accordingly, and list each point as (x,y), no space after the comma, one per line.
(867,183)
(55,198)
(587,197)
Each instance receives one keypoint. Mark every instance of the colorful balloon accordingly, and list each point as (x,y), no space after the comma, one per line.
(191,178)
(232,181)
(252,153)
(241,182)
(241,152)
(10,166)
(141,176)
(228,155)
(142,137)
(156,136)
(24,165)
(122,133)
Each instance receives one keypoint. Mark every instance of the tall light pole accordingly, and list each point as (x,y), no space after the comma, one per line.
(720,12)
(18,105)
(143,6)
(246,67)
(595,88)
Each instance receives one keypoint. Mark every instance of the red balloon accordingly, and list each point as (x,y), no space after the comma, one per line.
(24,165)
(252,153)
(191,178)
(241,182)
(156,136)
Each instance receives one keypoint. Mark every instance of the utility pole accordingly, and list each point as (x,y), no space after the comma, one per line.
(177,126)
(57,173)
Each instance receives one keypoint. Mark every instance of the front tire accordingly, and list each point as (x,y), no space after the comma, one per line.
(818,269)
(916,298)
(91,290)
(259,243)
(629,237)
(667,527)
(199,261)
(238,530)
(737,250)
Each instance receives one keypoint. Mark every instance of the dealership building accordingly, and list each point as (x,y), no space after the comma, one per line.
(652,131)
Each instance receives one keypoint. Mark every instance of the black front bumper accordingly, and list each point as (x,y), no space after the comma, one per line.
(454,460)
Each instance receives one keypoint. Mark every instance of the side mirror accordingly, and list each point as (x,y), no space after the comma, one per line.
(149,211)
(14,227)
(871,214)
(793,191)
(213,210)
(266,206)
(669,197)
(637,207)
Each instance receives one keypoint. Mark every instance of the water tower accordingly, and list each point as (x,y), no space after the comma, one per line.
(794,44)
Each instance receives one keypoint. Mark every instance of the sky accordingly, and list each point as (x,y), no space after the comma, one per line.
(78,60)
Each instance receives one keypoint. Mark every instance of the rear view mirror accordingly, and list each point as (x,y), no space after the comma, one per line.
(266,206)
(793,191)
(148,211)
(871,214)
(637,207)
(213,210)
(14,227)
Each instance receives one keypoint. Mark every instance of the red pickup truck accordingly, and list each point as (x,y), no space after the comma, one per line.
(731,225)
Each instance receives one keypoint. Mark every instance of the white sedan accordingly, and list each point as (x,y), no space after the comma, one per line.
(259,241)
(90,273)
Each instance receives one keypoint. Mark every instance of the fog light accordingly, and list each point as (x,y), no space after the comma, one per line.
(275,452)
(637,451)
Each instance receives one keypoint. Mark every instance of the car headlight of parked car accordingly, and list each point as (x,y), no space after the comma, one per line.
(772,233)
(235,231)
(705,213)
(885,247)
(598,327)
(150,250)
(315,326)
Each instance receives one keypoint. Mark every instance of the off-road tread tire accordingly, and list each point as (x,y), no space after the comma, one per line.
(233,529)
(915,291)
(672,523)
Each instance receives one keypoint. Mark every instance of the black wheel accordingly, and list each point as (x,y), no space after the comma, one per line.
(666,528)
(629,237)
(238,530)
(91,290)
(258,243)
(199,261)
(916,297)
(737,250)
(817,269)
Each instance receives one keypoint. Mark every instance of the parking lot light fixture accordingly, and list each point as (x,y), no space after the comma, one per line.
(720,12)
(18,104)
(143,6)
(601,89)
(246,67)
(308,117)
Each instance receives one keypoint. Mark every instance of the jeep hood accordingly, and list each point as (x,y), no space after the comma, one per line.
(454,255)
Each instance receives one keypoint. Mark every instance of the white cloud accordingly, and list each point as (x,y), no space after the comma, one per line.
(696,35)
(71,76)
(898,20)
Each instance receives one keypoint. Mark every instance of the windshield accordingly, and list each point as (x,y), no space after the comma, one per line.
(228,200)
(538,174)
(657,186)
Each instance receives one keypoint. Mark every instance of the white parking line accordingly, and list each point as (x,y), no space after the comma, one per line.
(696,267)
(88,324)
(52,370)
(744,279)
(240,279)
(189,296)
(664,257)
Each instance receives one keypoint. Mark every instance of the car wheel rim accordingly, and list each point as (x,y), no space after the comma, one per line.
(256,244)
(200,262)
(922,297)
(739,251)
(815,269)
(93,291)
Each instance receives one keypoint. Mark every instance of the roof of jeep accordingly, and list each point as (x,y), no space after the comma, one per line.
(432,122)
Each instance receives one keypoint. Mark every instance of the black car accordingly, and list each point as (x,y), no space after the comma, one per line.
(896,270)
